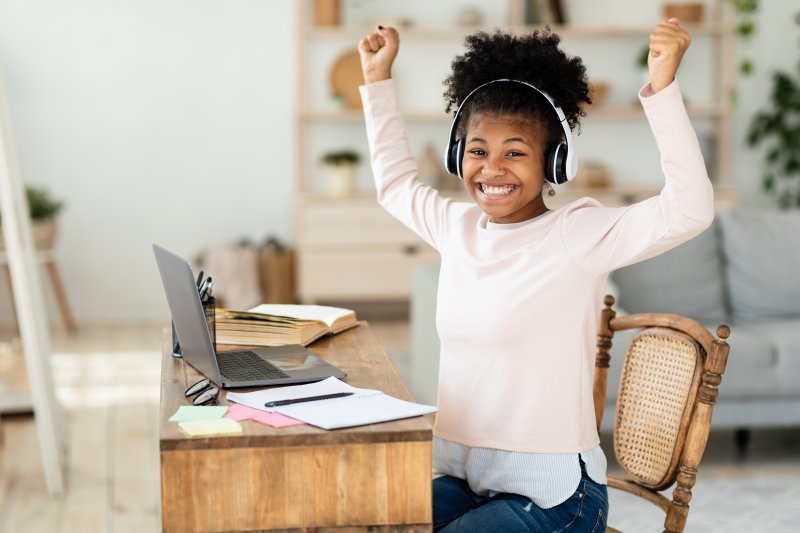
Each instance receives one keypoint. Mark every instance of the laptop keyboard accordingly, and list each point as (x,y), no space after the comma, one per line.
(247,366)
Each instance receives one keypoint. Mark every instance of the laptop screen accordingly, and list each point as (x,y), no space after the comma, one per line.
(187,313)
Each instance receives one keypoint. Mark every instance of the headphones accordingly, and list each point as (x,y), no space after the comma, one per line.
(561,162)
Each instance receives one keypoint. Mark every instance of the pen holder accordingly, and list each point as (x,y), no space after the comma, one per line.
(209,311)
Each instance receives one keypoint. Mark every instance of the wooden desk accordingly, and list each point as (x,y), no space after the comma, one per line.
(298,477)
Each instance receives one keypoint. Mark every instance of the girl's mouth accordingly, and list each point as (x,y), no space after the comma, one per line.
(497,190)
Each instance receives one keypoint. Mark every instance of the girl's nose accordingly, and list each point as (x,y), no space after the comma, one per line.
(492,167)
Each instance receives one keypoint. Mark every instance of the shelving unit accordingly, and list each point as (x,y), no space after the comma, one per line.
(348,248)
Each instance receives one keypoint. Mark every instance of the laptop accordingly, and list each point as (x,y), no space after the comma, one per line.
(273,365)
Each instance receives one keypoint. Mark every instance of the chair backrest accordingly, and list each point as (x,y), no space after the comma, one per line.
(667,391)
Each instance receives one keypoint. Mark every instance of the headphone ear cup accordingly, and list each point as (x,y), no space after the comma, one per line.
(555,170)
(455,158)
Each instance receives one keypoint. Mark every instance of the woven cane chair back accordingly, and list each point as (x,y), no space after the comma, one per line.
(656,393)
(668,389)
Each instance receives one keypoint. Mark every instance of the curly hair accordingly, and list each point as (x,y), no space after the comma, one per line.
(534,58)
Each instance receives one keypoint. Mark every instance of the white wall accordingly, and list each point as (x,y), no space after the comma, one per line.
(157,121)
(172,122)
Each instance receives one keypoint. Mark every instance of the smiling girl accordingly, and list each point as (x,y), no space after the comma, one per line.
(520,288)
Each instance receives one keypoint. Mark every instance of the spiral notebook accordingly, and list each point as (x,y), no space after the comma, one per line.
(365,406)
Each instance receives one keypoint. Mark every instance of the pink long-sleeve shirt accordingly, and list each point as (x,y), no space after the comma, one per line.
(517,310)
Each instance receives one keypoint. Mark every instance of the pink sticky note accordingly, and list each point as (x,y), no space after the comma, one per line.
(241,412)
(276,420)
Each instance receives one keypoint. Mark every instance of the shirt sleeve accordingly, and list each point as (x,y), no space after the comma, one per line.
(417,205)
(602,239)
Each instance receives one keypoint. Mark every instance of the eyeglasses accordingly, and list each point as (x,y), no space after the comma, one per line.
(205,391)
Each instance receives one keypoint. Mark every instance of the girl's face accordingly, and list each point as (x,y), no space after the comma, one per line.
(503,167)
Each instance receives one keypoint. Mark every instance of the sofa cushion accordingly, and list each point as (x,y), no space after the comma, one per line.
(761,252)
(763,362)
(686,280)
(783,362)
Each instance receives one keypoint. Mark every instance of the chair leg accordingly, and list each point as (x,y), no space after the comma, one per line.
(741,438)
(61,296)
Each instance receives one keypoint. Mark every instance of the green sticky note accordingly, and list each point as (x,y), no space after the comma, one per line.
(186,413)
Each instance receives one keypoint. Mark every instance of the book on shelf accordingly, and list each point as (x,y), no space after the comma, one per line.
(277,324)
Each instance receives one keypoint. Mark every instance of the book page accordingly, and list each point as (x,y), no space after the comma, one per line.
(323,313)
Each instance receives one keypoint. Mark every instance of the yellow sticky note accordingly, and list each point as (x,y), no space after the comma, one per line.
(216,426)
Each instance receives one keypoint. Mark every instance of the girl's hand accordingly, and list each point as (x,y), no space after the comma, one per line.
(377,51)
(668,43)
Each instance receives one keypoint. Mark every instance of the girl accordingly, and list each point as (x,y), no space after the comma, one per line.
(521,285)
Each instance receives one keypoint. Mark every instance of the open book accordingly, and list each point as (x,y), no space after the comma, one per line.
(363,406)
(277,324)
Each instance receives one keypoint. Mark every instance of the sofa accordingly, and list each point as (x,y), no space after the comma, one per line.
(743,271)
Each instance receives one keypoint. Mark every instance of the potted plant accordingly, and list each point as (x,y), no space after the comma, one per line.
(778,127)
(340,171)
(43,210)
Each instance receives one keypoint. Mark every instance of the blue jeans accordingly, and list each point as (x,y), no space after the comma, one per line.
(456,509)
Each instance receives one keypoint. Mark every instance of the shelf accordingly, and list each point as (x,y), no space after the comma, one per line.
(325,199)
(356,115)
(599,111)
(567,190)
(635,111)
(610,196)
(451,32)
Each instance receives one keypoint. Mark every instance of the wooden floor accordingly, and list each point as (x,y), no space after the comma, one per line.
(107,380)
(108,383)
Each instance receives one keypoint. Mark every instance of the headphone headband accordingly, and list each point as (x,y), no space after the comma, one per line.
(570,165)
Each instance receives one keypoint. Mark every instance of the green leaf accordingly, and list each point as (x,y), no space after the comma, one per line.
(785,200)
(641,57)
(773,155)
(746,66)
(769,183)
(41,204)
(746,29)
(757,129)
(745,6)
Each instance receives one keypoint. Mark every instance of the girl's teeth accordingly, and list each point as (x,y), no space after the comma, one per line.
(494,191)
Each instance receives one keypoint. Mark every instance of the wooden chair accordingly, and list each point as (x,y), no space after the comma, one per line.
(668,388)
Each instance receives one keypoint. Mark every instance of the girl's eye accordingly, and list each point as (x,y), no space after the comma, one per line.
(478,152)
(514,153)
